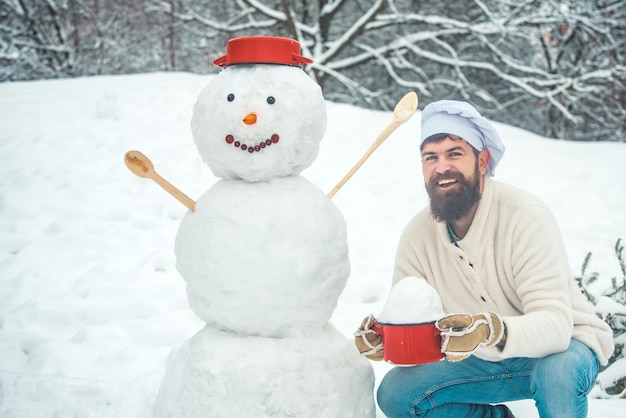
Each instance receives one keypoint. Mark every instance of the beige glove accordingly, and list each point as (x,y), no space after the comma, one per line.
(462,334)
(367,341)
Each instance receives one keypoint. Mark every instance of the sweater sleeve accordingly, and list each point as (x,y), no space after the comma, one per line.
(406,262)
(408,257)
(541,275)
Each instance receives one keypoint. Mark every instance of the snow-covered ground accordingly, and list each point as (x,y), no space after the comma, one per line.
(90,301)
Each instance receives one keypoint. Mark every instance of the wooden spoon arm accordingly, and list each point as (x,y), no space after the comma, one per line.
(383,136)
(379,140)
(171,189)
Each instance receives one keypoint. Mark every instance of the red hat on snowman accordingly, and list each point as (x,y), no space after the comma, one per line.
(262,50)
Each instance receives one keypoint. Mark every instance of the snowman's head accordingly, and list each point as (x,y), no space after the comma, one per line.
(256,122)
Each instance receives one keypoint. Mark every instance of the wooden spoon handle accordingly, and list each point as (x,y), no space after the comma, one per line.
(379,140)
(401,113)
(174,191)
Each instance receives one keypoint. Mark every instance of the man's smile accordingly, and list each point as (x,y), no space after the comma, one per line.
(446,183)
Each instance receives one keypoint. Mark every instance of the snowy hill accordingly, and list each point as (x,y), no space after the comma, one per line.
(90,301)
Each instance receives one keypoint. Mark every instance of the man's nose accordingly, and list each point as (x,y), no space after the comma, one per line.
(442,165)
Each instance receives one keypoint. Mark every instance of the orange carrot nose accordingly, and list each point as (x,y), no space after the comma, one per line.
(249,119)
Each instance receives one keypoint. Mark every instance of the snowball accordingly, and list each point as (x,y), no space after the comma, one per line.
(411,301)
(221,374)
(107,107)
(404,114)
(262,258)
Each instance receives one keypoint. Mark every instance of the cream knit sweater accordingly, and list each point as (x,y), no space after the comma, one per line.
(511,261)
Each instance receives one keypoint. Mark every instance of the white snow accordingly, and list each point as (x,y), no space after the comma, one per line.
(91,303)
(411,301)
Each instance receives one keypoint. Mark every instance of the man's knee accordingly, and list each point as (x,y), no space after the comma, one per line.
(572,370)
(387,396)
(392,395)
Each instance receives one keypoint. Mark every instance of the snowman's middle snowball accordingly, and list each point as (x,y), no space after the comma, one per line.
(292,256)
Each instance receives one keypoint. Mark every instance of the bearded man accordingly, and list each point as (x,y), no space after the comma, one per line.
(518,326)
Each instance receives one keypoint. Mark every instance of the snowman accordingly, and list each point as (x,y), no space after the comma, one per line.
(263,253)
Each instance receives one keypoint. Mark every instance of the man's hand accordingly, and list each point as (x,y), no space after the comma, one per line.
(462,334)
(367,341)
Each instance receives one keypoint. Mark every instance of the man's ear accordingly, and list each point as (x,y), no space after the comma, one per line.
(483,160)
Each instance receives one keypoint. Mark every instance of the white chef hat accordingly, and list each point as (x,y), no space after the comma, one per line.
(462,119)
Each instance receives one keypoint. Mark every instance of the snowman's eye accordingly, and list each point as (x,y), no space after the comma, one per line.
(230,97)
(271,99)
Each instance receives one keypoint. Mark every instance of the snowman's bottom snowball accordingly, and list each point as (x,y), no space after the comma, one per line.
(220,374)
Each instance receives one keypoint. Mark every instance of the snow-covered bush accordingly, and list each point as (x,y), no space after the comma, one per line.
(609,304)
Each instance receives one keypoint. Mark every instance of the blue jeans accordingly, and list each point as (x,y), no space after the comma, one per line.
(558,383)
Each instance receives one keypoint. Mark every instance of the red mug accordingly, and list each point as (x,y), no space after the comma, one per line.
(410,344)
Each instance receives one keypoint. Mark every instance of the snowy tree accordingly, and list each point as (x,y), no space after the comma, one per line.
(610,305)
(554,67)
(34,38)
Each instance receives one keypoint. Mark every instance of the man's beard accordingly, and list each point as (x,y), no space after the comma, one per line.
(453,205)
